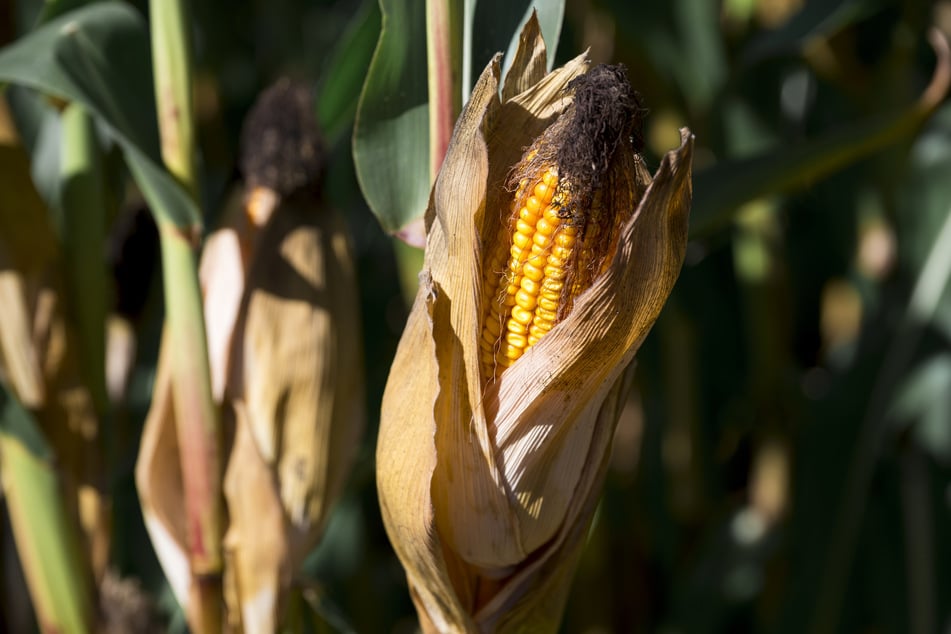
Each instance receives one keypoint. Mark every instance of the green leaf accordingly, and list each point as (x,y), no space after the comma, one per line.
(818,18)
(47,543)
(98,55)
(493,26)
(921,403)
(52,9)
(720,190)
(391,132)
(340,86)
(38,125)
(17,424)
(923,200)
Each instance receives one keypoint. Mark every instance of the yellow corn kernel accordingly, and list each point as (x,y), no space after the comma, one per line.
(545,227)
(524,300)
(530,286)
(516,327)
(521,241)
(522,315)
(576,186)
(532,271)
(492,328)
(546,303)
(542,240)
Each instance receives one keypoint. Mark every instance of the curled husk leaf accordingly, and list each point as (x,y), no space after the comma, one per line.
(488,487)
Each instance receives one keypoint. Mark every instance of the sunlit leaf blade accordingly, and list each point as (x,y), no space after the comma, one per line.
(98,55)
(391,132)
(493,26)
(46,541)
(340,87)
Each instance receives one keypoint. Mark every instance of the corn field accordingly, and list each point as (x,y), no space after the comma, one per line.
(463,316)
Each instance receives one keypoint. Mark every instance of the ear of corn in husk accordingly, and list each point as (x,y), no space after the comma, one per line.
(283,335)
(497,417)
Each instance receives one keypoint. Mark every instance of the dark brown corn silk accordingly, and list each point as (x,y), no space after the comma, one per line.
(281,147)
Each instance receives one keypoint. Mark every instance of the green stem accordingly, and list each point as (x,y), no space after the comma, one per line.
(46,539)
(444,60)
(172,68)
(199,434)
(199,437)
(84,226)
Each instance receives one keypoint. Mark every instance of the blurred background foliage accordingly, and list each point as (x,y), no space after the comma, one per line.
(784,462)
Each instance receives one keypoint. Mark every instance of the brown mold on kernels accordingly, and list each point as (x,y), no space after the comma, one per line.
(574,187)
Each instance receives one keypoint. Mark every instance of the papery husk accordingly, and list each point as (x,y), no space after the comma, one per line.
(158,480)
(158,472)
(486,495)
(296,386)
(283,335)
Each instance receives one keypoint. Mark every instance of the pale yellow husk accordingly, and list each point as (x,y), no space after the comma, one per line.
(487,493)
(297,393)
(283,321)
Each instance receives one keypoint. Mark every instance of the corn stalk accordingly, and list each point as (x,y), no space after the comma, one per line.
(84,227)
(444,61)
(195,412)
(47,543)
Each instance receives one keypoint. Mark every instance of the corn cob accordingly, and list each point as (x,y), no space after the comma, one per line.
(513,304)
(562,228)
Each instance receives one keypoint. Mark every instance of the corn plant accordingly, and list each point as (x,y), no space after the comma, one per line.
(474,316)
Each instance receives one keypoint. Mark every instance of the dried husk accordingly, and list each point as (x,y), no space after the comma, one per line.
(280,303)
(158,480)
(296,389)
(158,470)
(486,494)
